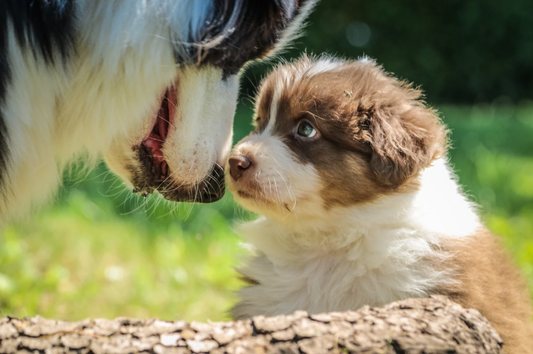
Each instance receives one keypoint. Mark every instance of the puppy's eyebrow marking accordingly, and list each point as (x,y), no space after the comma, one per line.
(273,111)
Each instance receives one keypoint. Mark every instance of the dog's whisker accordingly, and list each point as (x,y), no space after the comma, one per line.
(152,138)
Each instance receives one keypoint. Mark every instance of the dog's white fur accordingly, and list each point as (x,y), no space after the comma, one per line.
(108,89)
(195,143)
(102,99)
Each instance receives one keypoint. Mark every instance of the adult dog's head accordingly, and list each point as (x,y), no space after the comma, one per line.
(181,147)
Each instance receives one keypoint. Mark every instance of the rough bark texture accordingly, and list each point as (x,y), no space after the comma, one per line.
(433,325)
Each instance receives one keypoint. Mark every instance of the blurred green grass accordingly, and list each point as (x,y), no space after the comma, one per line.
(101,252)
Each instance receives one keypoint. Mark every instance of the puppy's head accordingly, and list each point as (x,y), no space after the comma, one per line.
(183,144)
(332,133)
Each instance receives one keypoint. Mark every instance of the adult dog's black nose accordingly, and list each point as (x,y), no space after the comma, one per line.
(238,165)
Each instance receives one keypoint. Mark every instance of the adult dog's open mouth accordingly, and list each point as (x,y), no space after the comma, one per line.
(156,174)
(153,143)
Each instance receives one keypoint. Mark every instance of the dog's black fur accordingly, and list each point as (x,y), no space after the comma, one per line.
(44,27)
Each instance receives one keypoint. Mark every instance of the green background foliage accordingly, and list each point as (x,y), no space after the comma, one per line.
(99,251)
(459,51)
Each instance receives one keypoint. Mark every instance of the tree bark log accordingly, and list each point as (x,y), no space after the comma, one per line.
(434,325)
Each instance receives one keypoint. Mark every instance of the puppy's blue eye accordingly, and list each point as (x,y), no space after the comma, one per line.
(306,130)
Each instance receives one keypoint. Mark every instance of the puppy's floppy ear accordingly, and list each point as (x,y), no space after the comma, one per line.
(404,141)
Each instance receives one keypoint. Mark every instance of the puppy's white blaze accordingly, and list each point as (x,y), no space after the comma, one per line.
(201,131)
(273,112)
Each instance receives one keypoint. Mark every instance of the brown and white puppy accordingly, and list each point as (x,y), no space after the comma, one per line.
(348,167)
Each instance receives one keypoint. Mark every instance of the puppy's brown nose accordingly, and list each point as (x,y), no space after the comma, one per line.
(237,166)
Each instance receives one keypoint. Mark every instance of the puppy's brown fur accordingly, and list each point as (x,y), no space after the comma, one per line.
(375,139)
(488,281)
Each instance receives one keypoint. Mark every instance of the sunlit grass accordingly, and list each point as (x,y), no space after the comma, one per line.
(76,261)
(93,254)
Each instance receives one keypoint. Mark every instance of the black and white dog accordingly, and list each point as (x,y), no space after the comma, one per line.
(151,84)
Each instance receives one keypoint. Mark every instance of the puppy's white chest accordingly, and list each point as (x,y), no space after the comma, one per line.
(337,281)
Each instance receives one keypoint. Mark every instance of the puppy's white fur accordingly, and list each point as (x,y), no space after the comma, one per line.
(313,257)
(370,254)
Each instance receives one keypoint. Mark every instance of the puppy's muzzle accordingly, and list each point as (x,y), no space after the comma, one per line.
(239,165)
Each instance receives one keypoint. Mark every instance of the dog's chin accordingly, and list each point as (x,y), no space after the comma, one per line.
(208,190)
(154,174)
(139,174)
(145,167)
